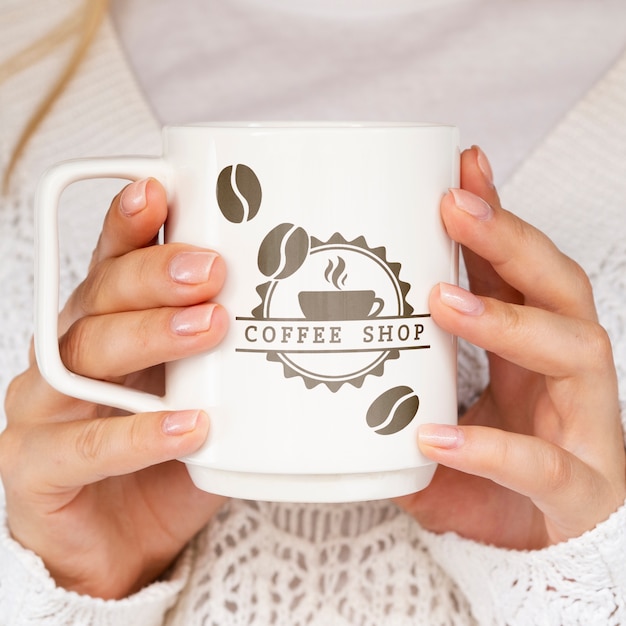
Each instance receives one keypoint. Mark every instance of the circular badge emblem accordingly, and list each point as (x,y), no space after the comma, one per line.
(329,304)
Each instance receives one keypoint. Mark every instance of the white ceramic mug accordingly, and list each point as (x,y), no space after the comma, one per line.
(333,240)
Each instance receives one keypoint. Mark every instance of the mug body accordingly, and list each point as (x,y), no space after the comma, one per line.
(333,241)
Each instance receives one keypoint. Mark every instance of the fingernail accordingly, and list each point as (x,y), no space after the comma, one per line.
(133,198)
(193,320)
(472,204)
(180,422)
(483,165)
(441,436)
(191,268)
(460,299)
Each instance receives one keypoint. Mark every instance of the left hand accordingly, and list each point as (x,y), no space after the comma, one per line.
(540,457)
(95,492)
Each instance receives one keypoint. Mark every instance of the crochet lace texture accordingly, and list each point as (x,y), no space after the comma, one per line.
(358,564)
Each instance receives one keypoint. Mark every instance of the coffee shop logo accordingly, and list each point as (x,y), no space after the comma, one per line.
(331,312)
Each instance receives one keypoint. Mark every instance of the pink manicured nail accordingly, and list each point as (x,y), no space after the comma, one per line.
(472,204)
(483,165)
(193,320)
(191,268)
(441,436)
(180,422)
(460,300)
(133,198)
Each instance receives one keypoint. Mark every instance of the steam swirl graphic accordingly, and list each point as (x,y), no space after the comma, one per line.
(336,274)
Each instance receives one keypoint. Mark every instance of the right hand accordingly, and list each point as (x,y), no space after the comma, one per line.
(95,492)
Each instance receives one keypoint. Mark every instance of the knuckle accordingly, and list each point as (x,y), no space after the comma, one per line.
(145,332)
(558,470)
(91,441)
(582,281)
(9,444)
(578,296)
(511,322)
(13,397)
(144,265)
(523,234)
(136,435)
(73,343)
(14,458)
(503,454)
(95,254)
(90,292)
(598,349)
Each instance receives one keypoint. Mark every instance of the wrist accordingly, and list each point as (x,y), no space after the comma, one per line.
(27,591)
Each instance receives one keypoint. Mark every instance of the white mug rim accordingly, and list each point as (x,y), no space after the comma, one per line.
(308,125)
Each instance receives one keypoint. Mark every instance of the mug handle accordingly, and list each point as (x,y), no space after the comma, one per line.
(46,338)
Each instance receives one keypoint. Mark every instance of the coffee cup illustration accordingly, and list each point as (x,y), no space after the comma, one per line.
(340,303)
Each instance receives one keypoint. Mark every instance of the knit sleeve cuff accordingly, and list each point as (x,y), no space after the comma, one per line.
(28,594)
(578,582)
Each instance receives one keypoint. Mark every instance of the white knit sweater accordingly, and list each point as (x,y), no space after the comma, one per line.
(367,564)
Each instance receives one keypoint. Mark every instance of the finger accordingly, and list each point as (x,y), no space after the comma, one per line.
(167,275)
(133,219)
(107,347)
(521,255)
(541,341)
(571,493)
(73,454)
(477,177)
(575,355)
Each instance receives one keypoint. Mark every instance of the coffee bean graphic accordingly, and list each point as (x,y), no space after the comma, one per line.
(393,410)
(283,251)
(238,193)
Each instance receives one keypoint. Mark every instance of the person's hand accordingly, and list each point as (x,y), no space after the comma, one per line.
(540,457)
(94,491)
